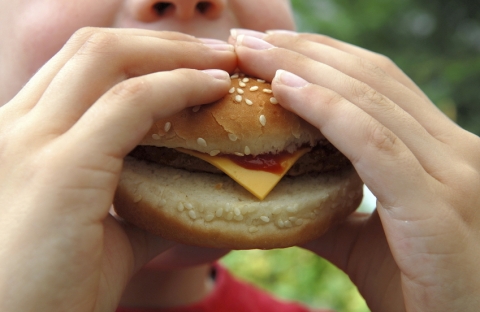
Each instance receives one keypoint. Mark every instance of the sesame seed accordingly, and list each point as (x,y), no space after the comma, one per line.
(155,136)
(188,206)
(254,88)
(214,152)
(252,229)
(196,108)
(277,210)
(247,150)
(180,207)
(209,217)
(263,120)
(273,100)
(238,218)
(299,222)
(232,137)
(242,84)
(192,214)
(229,216)
(238,99)
(292,209)
(167,127)
(269,91)
(202,142)
(239,154)
(249,102)
(245,80)
(288,223)
(234,76)
(240,91)
(261,80)
(232,90)
(219,212)
(237,211)
(137,198)
(280,223)
(265,219)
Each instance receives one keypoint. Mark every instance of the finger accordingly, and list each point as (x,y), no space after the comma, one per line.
(359,248)
(333,52)
(126,249)
(424,146)
(341,55)
(181,256)
(34,89)
(329,75)
(373,149)
(122,117)
(108,59)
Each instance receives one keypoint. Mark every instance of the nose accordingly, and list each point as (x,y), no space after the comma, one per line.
(148,11)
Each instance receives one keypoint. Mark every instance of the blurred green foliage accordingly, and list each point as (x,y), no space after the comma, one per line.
(437,44)
(296,274)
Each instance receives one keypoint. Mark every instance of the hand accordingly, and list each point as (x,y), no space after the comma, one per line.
(419,250)
(62,142)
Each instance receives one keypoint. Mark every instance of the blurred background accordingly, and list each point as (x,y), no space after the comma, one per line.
(437,44)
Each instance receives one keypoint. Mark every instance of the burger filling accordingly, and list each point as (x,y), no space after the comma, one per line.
(324,157)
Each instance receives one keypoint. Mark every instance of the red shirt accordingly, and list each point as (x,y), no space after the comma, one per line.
(232,295)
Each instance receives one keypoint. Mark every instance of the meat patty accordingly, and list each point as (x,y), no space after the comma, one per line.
(322,158)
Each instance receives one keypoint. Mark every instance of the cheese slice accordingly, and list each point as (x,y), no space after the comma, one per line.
(257,182)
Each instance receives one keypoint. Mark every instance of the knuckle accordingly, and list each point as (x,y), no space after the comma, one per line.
(323,39)
(333,99)
(371,98)
(381,138)
(132,90)
(385,63)
(81,35)
(371,70)
(99,42)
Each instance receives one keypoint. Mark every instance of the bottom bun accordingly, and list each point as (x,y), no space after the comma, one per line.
(212,210)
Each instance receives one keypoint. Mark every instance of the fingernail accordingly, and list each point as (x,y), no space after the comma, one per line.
(253,43)
(235,32)
(289,79)
(220,46)
(217,73)
(282,31)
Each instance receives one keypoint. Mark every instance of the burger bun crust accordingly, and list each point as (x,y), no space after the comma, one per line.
(211,210)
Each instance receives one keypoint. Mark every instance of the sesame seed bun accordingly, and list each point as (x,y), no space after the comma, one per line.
(232,125)
(205,208)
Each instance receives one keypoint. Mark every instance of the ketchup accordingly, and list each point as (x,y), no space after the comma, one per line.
(266,162)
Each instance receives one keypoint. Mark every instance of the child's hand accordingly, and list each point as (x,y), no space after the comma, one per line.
(419,251)
(62,142)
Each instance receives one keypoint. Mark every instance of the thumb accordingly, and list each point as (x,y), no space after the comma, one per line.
(358,247)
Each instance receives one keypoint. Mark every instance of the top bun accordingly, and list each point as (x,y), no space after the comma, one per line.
(246,121)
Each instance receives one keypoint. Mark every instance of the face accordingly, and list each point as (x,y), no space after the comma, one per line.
(32,31)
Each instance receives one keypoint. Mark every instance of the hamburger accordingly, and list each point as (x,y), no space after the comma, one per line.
(239,173)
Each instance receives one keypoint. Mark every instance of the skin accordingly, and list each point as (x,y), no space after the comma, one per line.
(62,146)
(417,252)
